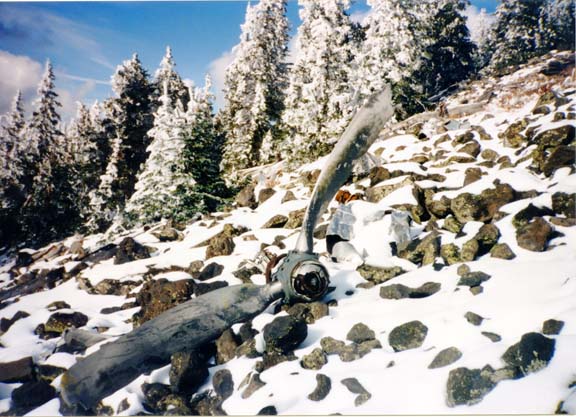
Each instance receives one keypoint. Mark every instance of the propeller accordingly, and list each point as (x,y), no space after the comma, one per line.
(299,277)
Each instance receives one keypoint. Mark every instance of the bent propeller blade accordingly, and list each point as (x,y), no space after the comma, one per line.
(355,141)
(150,346)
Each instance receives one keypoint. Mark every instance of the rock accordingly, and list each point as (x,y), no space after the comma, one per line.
(265,194)
(309,312)
(356,388)
(552,327)
(320,231)
(129,250)
(378,174)
(49,373)
(174,404)
(477,290)
(194,268)
(223,383)
(314,360)
(289,196)
(512,136)
(58,322)
(220,245)
(323,387)
(159,295)
(531,354)
(114,287)
(562,222)
(473,279)
(268,411)
(492,336)
(226,346)
(465,137)
(400,291)
(276,222)
(445,357)
(284,334)
(554,149)
(487,237)
(254,385)
(211,270)
(379,275)
(468,386)
(331,346)
(489,155)
(527,214)
(565,204)
(21,370)
(5,323)
(472,148)
(469,250)
(245,273)
(123,406)
(167,234)
(438,208)
(309,178)
(462,270)
(154,393)
(32,394)
(450,253)
(375,194)
(248,349)
(452,225)
(472,175)
(422,251)
(203,288)
(295,219)
(473,318)
(502,251)
(246,332)
(535,235)
(409,335)
(271,359)
(551,97)
(360,333)
(188,372)
(246,197)
(469,207)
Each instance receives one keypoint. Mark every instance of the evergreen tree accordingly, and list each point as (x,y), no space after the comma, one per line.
(319,97)
(167,73)
(254,84)
(129,119)
(49,210)
(557,19)
(449,56)
(12,169)
(517,35)
(163,185)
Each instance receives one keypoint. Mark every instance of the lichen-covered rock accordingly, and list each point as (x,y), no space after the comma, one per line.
(502,251)
(489,155)
(532,353)
(360,333)
(188,372)
(159,295)
(379,275)
(211,270)
(331,346)
(226,346)
(220,245)
(129,250)
(356,388)
(223,383)
(529,213)
(469,250)
(289,196)
(375,194)
(153,394)
(445,357)
(468,386)
(323,387)
(409,335)
(552,327)
(473,318)
(265,194)
(314,360)
(309,312)
(284,334)
(450,253)
(438,208)
(554,149)
(275,222)
(114,287)
(295,219)
(487,237)
(400,291)
(473,279)
(167,234)
(512,135)
(422,251)
(564,204)
(535,235)
(469,207)
(472,175)
(452,225)
(59,321)
(378,174)
(471,148)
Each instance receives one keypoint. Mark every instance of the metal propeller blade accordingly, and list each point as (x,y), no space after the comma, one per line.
(355,141)
(298,277)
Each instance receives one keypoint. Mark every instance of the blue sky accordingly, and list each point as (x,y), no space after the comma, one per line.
(87,40)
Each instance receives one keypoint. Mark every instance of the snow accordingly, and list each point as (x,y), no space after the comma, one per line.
(520,295)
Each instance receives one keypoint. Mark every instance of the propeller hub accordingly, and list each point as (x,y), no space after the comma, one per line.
(302,276)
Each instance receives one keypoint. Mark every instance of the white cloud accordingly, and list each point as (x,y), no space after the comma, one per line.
(17,72)
(20,72)
(478,22)
(217,70)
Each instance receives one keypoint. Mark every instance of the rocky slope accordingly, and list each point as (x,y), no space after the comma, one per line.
(477,315)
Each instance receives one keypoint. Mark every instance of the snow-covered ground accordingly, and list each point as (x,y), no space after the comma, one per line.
(520,295)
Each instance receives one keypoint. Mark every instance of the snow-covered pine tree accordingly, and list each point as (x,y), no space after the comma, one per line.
(12,168)
(558,22)
(50,207)
(164,187)
(254,84)
(167,73)
(449,56)
(480,36)
(203,147)
(517,34)
(318,103)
